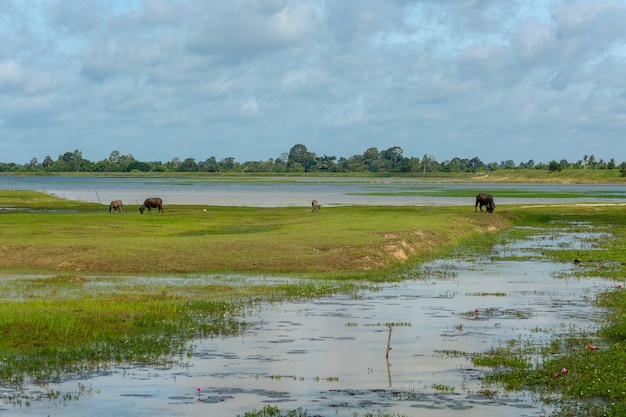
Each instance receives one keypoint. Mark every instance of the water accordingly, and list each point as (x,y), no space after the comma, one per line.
(328,355)
(279,192)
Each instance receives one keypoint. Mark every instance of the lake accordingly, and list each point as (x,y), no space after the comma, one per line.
(283,192)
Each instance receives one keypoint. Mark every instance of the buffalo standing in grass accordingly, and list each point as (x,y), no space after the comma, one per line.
(116,205)
(484,200)
(151,203)
(316,206)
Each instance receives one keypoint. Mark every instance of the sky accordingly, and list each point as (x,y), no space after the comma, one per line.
(499,80)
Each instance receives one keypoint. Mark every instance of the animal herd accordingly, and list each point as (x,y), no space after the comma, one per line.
(482,200)
(150,203)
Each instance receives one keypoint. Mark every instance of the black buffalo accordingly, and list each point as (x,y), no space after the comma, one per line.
(484,200)
(316,206)
(151,203)
(116,205)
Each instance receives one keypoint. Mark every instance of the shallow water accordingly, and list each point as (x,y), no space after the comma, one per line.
(281,192)
(328,355)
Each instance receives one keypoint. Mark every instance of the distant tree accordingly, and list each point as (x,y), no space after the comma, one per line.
(68,162)
(210,165)
(611,164)
(188,165)
(509,164)
(47,162)
(114,157)
(554,166)
(282,159)
(227,164)
(371,159)
(299,154)
(34,164)
(296,167)
(429,163)
(325,163)
(138,166)
(124,161)
(393,158)
(592,162)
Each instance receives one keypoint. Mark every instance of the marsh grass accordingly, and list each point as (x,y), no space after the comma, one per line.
(70,324)
(75,322)
(579,373)
(83,307)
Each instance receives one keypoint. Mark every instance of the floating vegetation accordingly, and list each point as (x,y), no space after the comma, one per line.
(486,294)
(451,353)
(443,388)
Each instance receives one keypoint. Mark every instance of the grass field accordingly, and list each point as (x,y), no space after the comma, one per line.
(55,236)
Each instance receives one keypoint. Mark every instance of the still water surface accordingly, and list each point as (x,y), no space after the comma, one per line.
(328,355)
(278,192)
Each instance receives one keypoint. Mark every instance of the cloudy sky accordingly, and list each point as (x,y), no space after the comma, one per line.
(159,79)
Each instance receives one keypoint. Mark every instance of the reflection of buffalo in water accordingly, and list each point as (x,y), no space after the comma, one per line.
(485,200)
(316,206)
(116,205)
(151,203)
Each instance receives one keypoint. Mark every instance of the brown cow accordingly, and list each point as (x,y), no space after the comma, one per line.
(316,206)
(151,203)
(116,205)
(484,200)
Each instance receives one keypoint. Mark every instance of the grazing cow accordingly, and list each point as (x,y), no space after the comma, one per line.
(151,203)
(116,205)
(316,206)
(484,200)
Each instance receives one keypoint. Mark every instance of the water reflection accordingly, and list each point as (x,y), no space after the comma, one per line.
(327,356)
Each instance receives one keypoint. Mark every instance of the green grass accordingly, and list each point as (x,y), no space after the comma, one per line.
(85,305)
(55,236)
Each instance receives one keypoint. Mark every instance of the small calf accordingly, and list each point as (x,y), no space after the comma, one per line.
(116,205)
(316,206)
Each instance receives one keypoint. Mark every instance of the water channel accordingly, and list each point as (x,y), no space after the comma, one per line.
(327,356)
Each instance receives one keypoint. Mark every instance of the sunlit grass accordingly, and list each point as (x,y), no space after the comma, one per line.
(342,241)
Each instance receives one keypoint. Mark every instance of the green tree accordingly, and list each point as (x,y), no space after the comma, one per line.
(227,164)
(138,166)
(554,166)
(188,165)
(47,162)
(372,159)
(299,154)
(611,164)
(210,165)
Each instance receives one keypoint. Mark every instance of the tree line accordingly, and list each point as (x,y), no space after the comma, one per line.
(300,159)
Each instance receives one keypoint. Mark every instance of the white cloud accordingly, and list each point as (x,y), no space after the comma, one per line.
(250,107)
(253,77)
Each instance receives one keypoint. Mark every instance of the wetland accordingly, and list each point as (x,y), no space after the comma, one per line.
(510,295)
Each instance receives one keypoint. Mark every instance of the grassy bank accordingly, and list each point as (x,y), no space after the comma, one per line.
(56,236)
(101,287)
